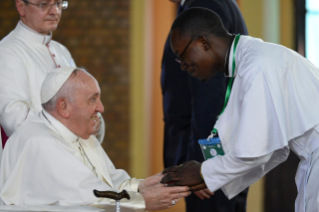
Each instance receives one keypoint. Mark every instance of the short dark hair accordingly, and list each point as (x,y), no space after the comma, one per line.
(199,21)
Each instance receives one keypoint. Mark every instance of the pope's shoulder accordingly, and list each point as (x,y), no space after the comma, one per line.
(32,129)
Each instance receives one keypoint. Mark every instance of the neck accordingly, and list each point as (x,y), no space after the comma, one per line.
(60,118)
(23,20)
(70,124)
(221,48)
(228,40)
(55,114)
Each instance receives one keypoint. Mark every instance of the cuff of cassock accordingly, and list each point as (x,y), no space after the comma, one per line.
(134,183)
(209,175)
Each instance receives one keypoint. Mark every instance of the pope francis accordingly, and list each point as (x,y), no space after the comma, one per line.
(52,159)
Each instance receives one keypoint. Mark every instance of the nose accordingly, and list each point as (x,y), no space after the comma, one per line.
(100,107)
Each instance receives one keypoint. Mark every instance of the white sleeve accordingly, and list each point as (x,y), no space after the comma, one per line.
(14,91)
(233,174)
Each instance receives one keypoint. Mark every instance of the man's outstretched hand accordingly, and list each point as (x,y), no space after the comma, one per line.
(187,174)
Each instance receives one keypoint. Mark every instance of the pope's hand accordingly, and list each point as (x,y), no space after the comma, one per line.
(187,174)
(150,181)
(159,197)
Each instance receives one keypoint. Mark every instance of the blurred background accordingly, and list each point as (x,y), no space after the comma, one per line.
(121,43)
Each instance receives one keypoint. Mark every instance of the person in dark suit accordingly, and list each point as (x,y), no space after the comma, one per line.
(191,109)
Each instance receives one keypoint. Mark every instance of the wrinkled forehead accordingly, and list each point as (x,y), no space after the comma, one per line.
(84,82)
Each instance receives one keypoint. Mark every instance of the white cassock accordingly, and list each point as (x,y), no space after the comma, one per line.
(273,106)
(44,163)
(26,57)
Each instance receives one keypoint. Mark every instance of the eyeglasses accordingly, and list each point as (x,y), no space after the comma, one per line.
(46,6)
(178,59)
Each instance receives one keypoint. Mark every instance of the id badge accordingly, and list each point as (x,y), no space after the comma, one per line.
(211,148)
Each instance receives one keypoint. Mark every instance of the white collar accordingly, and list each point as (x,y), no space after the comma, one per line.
(65,133)
(31,35)
(230,60)
(183,2)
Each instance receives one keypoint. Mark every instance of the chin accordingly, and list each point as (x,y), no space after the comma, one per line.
(52,28)
(85,136)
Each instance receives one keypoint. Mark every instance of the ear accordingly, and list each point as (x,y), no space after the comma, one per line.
(205,43)
(62,108)
(21,7)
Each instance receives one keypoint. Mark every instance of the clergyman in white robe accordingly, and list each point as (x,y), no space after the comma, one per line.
(273,106)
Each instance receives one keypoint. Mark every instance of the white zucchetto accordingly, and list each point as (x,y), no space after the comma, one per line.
(54,81)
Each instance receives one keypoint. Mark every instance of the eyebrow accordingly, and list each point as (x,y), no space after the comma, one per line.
(94,95)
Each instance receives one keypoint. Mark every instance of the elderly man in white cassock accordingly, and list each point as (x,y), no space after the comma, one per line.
(271,106)
(27,55)
(53,159)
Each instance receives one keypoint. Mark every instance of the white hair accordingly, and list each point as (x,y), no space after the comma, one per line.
(66,91)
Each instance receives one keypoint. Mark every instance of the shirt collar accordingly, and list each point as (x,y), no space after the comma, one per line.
(31,35)
(230,61)
(66,134)
(183,2)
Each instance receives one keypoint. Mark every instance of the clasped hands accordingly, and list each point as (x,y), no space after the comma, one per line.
(187,174)
(175,182)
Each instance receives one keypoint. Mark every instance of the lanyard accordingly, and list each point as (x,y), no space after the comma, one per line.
(230,84)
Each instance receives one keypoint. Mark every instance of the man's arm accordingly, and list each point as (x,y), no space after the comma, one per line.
(15,99)
(223,170)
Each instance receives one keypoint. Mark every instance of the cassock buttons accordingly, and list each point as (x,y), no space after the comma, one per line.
(53,55)
(59,66)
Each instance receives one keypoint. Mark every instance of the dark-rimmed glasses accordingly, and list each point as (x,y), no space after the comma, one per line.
(60,5)
(179,58)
